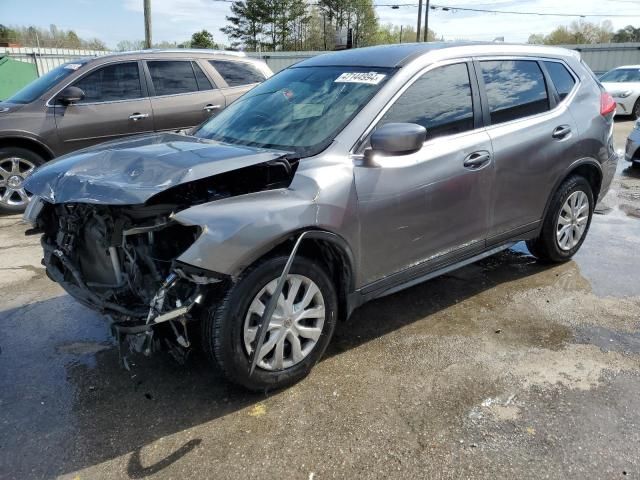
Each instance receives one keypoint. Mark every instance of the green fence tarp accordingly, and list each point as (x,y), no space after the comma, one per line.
(14,75)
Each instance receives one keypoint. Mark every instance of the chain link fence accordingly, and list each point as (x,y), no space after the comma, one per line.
(600,57)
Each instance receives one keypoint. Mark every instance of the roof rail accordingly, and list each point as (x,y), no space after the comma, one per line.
(181,50)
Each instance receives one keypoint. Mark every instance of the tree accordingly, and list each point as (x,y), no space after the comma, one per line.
(627,34)
(130,45)
(391,34)
(203,39)
(560,36)
(536,39)
(358,15)
(94,44)
(166,44)
(587,32)
(8,35)
(53,37)
(579,31)
(299,24)
(270,24)
(246,24)
(73,41)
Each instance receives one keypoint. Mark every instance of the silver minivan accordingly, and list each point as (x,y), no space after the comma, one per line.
(344,178)
(92,100)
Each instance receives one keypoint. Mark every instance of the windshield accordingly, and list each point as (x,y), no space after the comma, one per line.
(299,109)
(38,87)
(622,75)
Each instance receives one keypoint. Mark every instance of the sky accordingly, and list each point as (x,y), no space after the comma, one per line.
(175,20)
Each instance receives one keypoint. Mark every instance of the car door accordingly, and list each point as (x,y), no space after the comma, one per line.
(115,104)
(239,76)
(431,206)
(534,139)
(182,96)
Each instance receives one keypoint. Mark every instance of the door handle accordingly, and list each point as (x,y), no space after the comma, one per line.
(476,160)
(138,116)
(209,107)
(561,132)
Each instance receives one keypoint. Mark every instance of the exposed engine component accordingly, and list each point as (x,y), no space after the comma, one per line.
(117,259)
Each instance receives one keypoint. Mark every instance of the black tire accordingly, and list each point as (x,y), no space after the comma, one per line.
(222,333)
(635,113)
(545,247)
(28,156)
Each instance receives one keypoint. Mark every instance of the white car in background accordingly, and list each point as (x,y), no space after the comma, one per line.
(623,83)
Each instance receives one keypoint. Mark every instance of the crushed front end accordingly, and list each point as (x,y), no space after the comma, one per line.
(121,261)
(110,236)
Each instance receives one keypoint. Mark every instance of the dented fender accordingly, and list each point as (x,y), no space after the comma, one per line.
(241,229)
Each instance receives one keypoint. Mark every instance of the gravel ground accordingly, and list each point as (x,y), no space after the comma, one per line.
(504,368)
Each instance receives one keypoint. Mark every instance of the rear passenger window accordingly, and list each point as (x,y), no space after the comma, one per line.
(118,81)
(561,78)
(515,89)
(201,79)
(172,77)
(440,101)
(237,73)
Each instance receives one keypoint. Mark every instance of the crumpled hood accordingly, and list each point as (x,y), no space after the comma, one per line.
(131,171)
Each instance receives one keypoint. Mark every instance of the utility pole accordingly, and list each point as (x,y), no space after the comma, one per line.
(426,23)
(419,20)
(147,23)
(400,33)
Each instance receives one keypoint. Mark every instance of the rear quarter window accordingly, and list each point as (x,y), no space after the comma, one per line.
(561,78)
(238,73)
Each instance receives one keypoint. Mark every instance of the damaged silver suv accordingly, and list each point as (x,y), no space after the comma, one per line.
(344,178)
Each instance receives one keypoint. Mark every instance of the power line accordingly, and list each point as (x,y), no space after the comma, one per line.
(540,14)
(453,9)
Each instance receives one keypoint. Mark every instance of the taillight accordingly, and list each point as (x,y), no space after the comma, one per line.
(607,104)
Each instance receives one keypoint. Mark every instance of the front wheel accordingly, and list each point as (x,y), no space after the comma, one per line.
(298,333)
(567,222)
(16,164)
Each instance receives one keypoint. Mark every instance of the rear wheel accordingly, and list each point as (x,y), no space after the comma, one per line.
(567,221)
(297,335)
(16,164)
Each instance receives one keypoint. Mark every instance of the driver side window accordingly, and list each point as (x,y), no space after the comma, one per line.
(440,100)
(115,82)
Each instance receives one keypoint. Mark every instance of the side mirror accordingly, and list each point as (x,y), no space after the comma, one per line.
(70,95)
(398,138)
(395,139)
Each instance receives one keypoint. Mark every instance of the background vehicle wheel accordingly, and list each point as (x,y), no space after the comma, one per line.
(16,164)
(567,221)
(635,113)
(298,333)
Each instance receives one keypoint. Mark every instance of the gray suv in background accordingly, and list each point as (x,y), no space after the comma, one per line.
(344,178)
(89,101)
